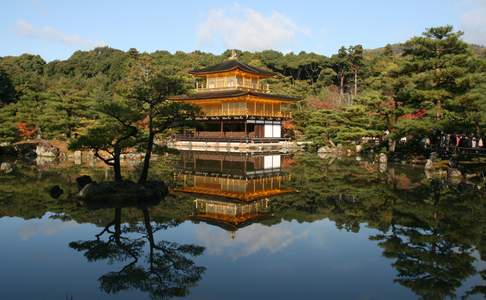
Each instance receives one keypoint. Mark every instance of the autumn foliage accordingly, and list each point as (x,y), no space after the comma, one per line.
(25,130)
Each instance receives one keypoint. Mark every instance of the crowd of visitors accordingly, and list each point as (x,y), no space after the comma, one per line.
(451,141)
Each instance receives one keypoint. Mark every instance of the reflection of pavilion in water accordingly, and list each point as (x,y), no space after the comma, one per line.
(233,189)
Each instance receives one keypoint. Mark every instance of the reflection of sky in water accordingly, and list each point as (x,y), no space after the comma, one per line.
(248,240)
(288,260)
(46,227)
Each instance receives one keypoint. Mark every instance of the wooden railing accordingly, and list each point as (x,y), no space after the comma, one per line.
(253,87)
(228,139)
(244,112)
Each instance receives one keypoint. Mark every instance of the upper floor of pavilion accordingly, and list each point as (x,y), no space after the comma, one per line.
(235,89)
(231,75)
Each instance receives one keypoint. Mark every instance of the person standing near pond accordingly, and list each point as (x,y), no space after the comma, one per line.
(480,143)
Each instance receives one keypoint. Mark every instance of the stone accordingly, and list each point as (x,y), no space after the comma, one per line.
(429,165)
(7,149)
(27,150)
(359,148)
(82,181)
(157,188)
(472,175)
(117,193)
(454,175)
(90,156)
(95,190)
(433,155)
(6,167)
(77,157)
(325,149)
(56,191)
(382,158)
(45,149)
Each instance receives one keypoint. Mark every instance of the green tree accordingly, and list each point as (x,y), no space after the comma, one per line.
(149,89)
(355,63)
(113,133)
(7,89)
(70,105)
(433,76)
(340,63)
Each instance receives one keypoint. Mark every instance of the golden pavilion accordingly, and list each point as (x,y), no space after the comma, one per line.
(232,189)
(236,104)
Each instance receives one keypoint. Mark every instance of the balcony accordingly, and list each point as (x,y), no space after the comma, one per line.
(225,85)
(240,109)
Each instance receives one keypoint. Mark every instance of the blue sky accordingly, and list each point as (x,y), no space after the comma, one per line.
(55,29)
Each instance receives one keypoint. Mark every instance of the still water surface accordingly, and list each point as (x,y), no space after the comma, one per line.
(246,227)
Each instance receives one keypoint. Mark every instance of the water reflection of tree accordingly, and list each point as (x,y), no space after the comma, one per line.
(430,241)
(429,229)
(163,269)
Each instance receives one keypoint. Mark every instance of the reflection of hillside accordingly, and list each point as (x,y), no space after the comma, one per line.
(431,233)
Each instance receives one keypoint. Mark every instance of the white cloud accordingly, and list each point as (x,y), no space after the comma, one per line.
(248,240)
(247,29)
(48,33)
(473,21)
(44,228)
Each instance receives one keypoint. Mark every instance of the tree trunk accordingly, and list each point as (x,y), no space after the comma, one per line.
(150,235)
(148,226)
(391,145)
(117,223)
(146,159)
(116,163)
(355,82)
(341,84)
(439,109)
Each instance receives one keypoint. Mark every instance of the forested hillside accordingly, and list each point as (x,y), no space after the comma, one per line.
(431,83)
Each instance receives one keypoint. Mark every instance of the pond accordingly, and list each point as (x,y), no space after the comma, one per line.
(236,226)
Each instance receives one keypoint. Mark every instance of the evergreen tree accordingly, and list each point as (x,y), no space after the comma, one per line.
(148,87)
(433,77)
(113,133)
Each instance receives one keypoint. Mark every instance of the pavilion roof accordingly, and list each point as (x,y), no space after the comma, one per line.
(231,65)
(232,94)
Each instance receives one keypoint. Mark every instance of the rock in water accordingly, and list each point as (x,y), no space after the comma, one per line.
(6,167)
(82,181)
(44,149)
(454,175)
(156,189)
(118,193)
(99,191)
(429,165)
(55,191)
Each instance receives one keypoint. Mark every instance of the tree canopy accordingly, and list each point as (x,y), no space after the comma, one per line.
(430,83)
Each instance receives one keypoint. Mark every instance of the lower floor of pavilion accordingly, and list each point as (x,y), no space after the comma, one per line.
(245,129)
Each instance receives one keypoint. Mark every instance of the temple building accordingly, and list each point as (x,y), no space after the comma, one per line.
(230,215)
(236,105)
(235,176)
(232,190)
